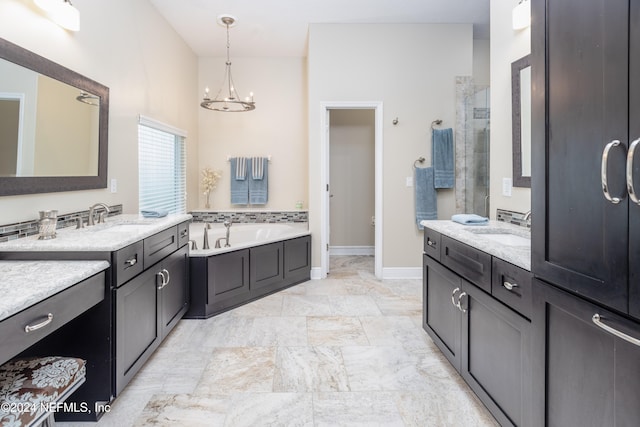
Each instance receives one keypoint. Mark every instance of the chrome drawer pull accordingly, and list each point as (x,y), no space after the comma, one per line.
(130,262)
(630,187)
(164,270)
(460,305)
(597,319)
(163,278)
(431,242)
(509,286)
(453,298)
(30,328)
(604,174)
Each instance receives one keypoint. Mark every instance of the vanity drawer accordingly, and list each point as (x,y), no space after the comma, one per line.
(470,263)
(432,243)
(512,286)
(51,314)
(160,245)
(183,234)
(127,263)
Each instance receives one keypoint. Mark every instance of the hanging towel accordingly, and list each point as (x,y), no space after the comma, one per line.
(239,187)
(442,155)
(470,219)
(426,197)
(259,187)
(257,167)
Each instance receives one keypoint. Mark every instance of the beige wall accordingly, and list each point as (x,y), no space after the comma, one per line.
(411,69)
(127,46)
(277,127)
(507,45)
(481,66)
(352,177)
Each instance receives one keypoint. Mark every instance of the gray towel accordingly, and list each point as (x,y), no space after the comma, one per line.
(426,197)
(259,187)
(239,187)
(442,157)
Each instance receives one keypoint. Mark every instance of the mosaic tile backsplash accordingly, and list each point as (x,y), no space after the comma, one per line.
(512,217)
(30,228)
(250,216)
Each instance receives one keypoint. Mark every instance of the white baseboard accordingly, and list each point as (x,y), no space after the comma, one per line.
(316,273)
(352,250)
(402,273)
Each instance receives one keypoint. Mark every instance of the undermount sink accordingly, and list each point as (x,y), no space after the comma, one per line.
(121,228)
(502,236)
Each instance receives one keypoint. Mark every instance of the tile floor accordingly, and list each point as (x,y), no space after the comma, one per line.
(345,351)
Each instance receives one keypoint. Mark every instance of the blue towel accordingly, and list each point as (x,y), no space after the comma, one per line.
(239,187)
(442,157)
(470,219)
(154,213)
(259,187)
(426,198)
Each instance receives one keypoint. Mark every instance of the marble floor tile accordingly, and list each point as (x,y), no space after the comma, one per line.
(344,351)
(309,369)
(335,331)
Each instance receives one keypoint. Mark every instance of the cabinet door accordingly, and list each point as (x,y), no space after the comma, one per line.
(634,134)
(496,356)
(174,295)
(297,260)
(580,80)
(137,326)
(592,376)
(441,319)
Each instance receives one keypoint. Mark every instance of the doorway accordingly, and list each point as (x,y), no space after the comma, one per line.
(376,109)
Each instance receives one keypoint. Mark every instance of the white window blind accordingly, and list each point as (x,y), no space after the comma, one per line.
(161,166)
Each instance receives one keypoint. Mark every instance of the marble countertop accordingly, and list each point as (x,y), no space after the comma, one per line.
(116,233)
(25,283)
(517,253)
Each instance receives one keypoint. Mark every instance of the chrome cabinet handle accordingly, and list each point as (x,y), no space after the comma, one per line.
(464,310)
(431,242)
(453,298)
(603,172)
(597,319)
(31,328)
(630,188)
(509,286)
(162,278)
(184,233)
(131,262)
(164,270)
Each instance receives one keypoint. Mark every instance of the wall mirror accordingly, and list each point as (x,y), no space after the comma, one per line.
(53,126)
(521,121)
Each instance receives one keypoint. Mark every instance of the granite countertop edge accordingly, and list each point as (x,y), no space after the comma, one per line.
(516,255)
(26,283)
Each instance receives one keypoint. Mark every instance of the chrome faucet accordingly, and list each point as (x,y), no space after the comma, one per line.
(218,242)
(205,244)
(194,245)
(228,225)
(92,211)
(527,217)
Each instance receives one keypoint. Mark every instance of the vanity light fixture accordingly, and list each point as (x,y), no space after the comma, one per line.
(521,15)
(227,99)
(62,12)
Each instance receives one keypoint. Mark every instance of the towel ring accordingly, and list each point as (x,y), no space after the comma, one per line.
(418,160)
(436,122)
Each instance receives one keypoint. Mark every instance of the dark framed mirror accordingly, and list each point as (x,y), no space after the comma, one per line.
(521,121)
(53,126)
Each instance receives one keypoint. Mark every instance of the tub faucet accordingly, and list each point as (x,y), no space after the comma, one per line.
(527,218)
(218,242)
(194,246)
(92,211)
(228,225)
(205,243)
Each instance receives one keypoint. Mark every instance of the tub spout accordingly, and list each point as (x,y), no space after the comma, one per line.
(205,244)
(218,242)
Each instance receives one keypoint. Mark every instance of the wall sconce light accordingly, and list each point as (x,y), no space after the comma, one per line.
(521,15)
(62,12)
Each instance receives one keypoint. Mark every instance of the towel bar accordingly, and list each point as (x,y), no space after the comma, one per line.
(268,157)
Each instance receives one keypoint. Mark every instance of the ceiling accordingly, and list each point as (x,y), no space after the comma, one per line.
(279,28)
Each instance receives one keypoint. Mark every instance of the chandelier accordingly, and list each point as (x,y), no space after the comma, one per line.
(227,99)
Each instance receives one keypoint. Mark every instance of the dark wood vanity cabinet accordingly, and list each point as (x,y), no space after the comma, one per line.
(482,336)
(583,375)
(586,105)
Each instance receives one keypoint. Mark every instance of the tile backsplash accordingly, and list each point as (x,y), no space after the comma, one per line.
(30,228)
(512,217)
(250,216)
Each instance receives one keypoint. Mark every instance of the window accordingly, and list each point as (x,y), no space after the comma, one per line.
(161,167)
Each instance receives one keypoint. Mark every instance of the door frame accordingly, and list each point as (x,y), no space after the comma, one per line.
(325,106)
